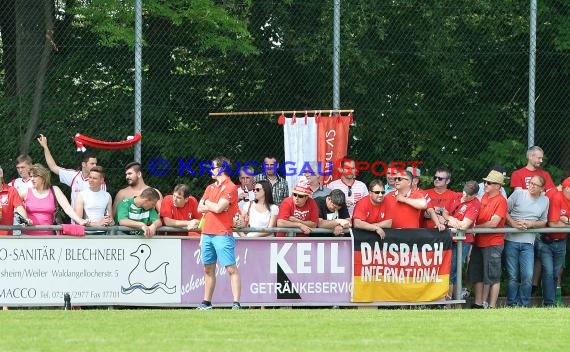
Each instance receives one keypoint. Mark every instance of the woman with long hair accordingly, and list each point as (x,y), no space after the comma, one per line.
(262,212)
(39,201)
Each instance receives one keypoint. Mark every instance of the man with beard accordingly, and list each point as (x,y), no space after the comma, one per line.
(370,213)
(136,185)
(521,177)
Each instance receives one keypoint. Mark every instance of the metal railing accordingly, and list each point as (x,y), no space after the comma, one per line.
(458,235)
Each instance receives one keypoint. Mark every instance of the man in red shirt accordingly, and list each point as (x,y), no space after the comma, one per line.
(552,246)
(405,204)
(463,212)
(180,210)
(219,204)
(370,213)
(521,177)
(299,210)
(440,198)
(485,263)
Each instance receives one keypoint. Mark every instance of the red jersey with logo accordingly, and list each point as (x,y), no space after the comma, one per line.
(369,212)
(439,200)
(521,178)
(404,216)
(188,212)
(469,210)
(220,223)
(496,205)
(559,206)
(10,199)
(308,212)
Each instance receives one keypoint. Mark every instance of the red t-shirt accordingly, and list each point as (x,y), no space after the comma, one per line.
(521,178)
(404,216)
(469,210)
(220,223)
(188,212)
(489,207)
(439,200)
(371,213)
(559,206)
(10,199)
(308,212)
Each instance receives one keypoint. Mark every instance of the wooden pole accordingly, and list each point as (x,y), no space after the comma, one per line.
(288,112)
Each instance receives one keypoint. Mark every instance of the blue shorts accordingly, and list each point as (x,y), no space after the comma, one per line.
(220,247)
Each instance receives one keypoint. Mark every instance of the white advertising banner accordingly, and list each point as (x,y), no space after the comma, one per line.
(39,271)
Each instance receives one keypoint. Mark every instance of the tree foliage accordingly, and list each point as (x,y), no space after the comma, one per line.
(444,82)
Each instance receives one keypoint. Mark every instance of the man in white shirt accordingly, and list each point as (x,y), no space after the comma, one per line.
(77,180)
(95,204)
(353,189)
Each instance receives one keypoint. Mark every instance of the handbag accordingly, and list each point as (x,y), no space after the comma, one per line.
(56,220)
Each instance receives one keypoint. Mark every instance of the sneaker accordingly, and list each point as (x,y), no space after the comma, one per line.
(476,306)
(485,305)
(465,293)
(236,306)
(203,306)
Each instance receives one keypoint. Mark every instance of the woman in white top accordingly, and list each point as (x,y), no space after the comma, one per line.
(261,212)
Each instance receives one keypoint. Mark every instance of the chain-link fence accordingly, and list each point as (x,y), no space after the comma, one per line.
(442,82)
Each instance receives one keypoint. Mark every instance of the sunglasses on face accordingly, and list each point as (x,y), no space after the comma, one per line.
(535,184)
(399,179)
(439,178)
(378,192)
(490,183)
(300,196)
(257,189)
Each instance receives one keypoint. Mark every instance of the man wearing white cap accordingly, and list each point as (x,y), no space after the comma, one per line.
(299,210)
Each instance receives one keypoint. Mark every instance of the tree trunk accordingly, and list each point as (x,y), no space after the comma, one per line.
(34,20)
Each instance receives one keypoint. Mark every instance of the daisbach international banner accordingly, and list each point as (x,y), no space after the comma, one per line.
(409,265)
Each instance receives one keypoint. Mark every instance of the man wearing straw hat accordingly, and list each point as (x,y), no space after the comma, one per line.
(485,263)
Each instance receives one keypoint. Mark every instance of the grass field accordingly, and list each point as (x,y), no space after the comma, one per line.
(286,330)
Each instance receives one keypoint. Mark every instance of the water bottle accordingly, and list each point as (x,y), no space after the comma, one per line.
(66,301)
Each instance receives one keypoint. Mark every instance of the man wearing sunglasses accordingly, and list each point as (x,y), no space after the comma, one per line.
(299,210)
(405,204)
(440,199)
(485,263)
(219,204)
(370,213)
(333,213)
